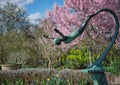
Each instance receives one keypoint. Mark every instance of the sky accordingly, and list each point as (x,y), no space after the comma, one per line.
(36,9)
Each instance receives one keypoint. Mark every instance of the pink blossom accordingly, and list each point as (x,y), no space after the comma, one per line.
(72,14)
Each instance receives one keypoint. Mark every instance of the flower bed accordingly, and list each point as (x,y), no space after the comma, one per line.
(41,74)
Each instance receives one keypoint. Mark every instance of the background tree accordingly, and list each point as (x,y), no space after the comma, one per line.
(15,35)
(13,17)
(50,54)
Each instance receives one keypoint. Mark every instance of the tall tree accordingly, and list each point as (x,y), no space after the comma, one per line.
(71,15)
(13,17)
(14,32)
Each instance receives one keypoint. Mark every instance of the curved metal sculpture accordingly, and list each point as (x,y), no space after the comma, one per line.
(96,70)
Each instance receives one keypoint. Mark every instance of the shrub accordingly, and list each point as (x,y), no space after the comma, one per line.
(112,64)
(77,58)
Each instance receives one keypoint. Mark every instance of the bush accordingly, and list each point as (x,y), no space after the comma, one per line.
(77,58)
(112,64)
(8,82)
(49,81)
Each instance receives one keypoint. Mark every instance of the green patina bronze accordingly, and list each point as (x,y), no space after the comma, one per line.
(95,70)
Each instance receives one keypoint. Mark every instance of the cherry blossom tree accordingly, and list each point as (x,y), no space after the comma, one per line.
(70,16)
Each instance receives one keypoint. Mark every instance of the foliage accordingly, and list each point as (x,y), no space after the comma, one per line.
(16,46)
(59,81)
(49,81)
(15,35)
(77,58)
(13,17)
(50,53)
(8,82)
(55,81)
(111,63)
(17,58)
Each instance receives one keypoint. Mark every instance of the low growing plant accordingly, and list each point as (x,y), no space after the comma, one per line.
(8,82)
(77,58)
(50,81)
